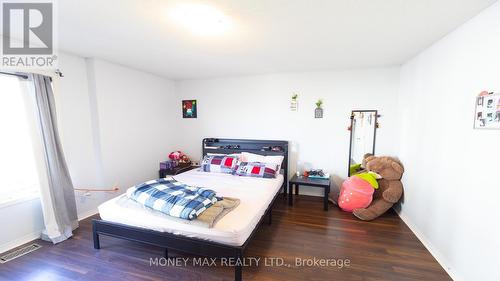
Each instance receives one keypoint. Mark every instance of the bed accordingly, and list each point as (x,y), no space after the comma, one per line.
(126,219)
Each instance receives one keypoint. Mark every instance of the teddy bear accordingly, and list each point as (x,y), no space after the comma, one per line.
(179,156)
(390,187)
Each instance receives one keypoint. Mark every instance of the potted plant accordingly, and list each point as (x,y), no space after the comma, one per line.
(294,103)
(318,112)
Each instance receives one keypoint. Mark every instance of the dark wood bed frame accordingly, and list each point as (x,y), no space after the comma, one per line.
(197,246)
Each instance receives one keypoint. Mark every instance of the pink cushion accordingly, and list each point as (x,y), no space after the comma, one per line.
(355,193)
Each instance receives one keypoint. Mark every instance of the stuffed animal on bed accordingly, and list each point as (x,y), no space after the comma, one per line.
(390,187)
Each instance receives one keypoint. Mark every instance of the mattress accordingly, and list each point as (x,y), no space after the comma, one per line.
(233,229)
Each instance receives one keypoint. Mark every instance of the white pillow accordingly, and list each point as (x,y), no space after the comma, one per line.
(252,157)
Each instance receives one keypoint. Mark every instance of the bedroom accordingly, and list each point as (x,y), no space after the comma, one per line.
(133,81)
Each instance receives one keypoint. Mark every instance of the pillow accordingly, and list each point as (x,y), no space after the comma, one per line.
(256,169)
(218,164)
(252,157)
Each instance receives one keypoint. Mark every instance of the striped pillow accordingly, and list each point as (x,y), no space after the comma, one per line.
(219,164)
(256,169)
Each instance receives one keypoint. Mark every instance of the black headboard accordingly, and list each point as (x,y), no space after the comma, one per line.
(262,147)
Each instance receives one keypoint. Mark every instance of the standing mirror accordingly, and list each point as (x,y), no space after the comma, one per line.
(363,130)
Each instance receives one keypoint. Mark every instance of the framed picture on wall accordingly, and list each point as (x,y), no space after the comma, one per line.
(189,109)
(487,114)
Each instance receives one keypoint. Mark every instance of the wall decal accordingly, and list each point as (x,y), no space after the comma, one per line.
(294,105)
(487,114)
(189,109)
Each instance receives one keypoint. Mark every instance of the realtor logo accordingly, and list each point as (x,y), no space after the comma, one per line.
(28,34)
(32,22)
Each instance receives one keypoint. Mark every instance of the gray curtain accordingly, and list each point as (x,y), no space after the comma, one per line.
(57,194)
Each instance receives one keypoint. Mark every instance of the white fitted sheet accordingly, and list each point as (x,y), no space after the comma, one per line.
(255,195)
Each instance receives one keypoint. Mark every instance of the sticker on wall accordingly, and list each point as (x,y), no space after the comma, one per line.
(318,112)
(487,114)
(294,105)
(189,109)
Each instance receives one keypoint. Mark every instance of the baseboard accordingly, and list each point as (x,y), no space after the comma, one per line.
(20,241)
(430,247)
(87,214)
(36,235)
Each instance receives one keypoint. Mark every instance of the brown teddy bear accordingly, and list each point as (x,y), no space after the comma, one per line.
(390,186)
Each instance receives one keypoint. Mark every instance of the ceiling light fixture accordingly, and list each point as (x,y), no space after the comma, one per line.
(201,19)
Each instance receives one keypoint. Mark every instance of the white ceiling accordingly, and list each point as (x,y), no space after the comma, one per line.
(266,35)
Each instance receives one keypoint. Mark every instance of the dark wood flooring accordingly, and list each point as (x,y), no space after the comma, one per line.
(385,249)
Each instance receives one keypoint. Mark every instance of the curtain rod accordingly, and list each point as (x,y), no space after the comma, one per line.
(25,76)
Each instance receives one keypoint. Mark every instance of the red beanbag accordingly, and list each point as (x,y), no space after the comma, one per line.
(355,193)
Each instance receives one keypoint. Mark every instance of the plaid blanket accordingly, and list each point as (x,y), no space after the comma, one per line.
(173,198)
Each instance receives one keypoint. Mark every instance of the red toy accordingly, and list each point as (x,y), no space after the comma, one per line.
(355,193)
(179,156)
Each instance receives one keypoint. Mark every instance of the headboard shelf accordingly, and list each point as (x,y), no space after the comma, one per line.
(230,150)
(261,147)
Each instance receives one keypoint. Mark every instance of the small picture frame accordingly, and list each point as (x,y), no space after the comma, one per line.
(189,109)
(487,115)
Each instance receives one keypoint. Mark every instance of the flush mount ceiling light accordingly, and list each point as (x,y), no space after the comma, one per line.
(201,19)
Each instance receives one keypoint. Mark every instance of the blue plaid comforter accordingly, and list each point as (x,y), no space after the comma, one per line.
(173,198)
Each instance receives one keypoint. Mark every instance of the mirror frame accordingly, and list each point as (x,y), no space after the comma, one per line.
(350,139)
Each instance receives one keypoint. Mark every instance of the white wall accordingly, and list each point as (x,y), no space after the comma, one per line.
(451,189)
(136,123)
(258,107)
(23,222)
(75,128)
(115,126)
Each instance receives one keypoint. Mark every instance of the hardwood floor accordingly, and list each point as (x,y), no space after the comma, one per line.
(385,249)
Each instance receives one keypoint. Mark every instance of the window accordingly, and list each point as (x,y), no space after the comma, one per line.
(18,172)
